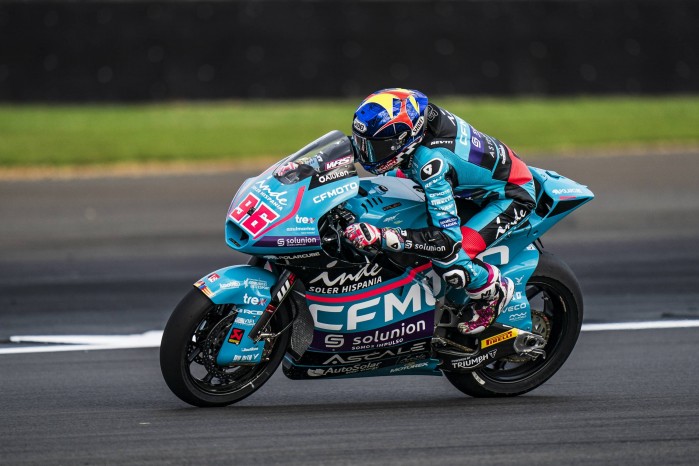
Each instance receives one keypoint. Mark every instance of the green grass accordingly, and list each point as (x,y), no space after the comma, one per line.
(97,134)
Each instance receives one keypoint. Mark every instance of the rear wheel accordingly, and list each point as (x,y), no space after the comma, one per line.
(556,302)
(191,341)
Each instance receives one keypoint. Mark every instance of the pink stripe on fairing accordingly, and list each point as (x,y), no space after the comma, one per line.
(491,278)
(297,204)
(344,299)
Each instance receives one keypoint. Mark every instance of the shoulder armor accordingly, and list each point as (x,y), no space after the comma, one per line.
(441,129)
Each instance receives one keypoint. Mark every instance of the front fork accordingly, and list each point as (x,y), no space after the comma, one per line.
(256,293)
(279,292)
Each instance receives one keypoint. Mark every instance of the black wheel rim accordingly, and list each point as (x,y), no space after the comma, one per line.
(200,357)
(550,306)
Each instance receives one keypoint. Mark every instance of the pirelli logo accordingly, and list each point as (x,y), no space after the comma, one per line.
(494,340)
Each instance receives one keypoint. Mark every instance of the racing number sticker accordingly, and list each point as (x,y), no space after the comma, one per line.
(258,214)
(244,207)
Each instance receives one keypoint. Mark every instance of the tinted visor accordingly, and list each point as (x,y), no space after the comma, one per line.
(377,150)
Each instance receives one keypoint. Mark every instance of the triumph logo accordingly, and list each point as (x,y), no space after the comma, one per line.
(472,362)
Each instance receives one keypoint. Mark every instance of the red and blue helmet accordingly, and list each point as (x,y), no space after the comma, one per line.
(387,127)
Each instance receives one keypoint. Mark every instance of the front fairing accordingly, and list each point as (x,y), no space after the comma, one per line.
(278,214)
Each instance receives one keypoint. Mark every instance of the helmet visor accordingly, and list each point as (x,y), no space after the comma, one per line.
(377,150)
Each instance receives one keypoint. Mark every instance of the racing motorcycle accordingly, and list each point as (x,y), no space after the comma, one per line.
(309,300)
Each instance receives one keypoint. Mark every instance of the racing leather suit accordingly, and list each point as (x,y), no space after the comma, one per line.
(455,161)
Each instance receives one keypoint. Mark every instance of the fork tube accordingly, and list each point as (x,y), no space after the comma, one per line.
(279,292)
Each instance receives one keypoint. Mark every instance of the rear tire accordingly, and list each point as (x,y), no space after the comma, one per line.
(557,313)
(191,340)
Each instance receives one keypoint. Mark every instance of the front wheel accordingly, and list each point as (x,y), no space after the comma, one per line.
(557,312)
(192,338)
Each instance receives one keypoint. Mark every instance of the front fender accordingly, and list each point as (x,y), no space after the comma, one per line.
(248,288)
(238,284)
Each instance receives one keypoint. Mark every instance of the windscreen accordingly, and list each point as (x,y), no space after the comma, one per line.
(322,155)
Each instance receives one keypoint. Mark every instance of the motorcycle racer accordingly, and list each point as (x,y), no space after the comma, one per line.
(398,132)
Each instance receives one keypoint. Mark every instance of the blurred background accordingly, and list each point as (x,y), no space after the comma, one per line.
(126,126)
(213,92)
(197,80)
(68,51)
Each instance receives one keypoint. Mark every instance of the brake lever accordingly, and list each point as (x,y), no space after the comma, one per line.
(370,255)
(374,259)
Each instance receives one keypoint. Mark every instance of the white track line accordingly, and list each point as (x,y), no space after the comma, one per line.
(84,342)
(658,324)
(152,339)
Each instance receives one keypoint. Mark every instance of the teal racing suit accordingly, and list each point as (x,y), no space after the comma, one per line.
(476,190)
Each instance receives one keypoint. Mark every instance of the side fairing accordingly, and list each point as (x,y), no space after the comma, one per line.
(519,269)
(557,197)
(387,201)
(369,322)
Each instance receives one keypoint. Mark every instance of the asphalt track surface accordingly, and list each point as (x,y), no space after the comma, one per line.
(112,256)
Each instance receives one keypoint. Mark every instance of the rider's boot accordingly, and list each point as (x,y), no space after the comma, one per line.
(487,302)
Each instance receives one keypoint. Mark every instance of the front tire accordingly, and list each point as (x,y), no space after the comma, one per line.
(557,313)
(191,341)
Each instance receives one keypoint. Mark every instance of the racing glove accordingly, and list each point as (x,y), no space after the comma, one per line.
(364,235)
(428,242)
